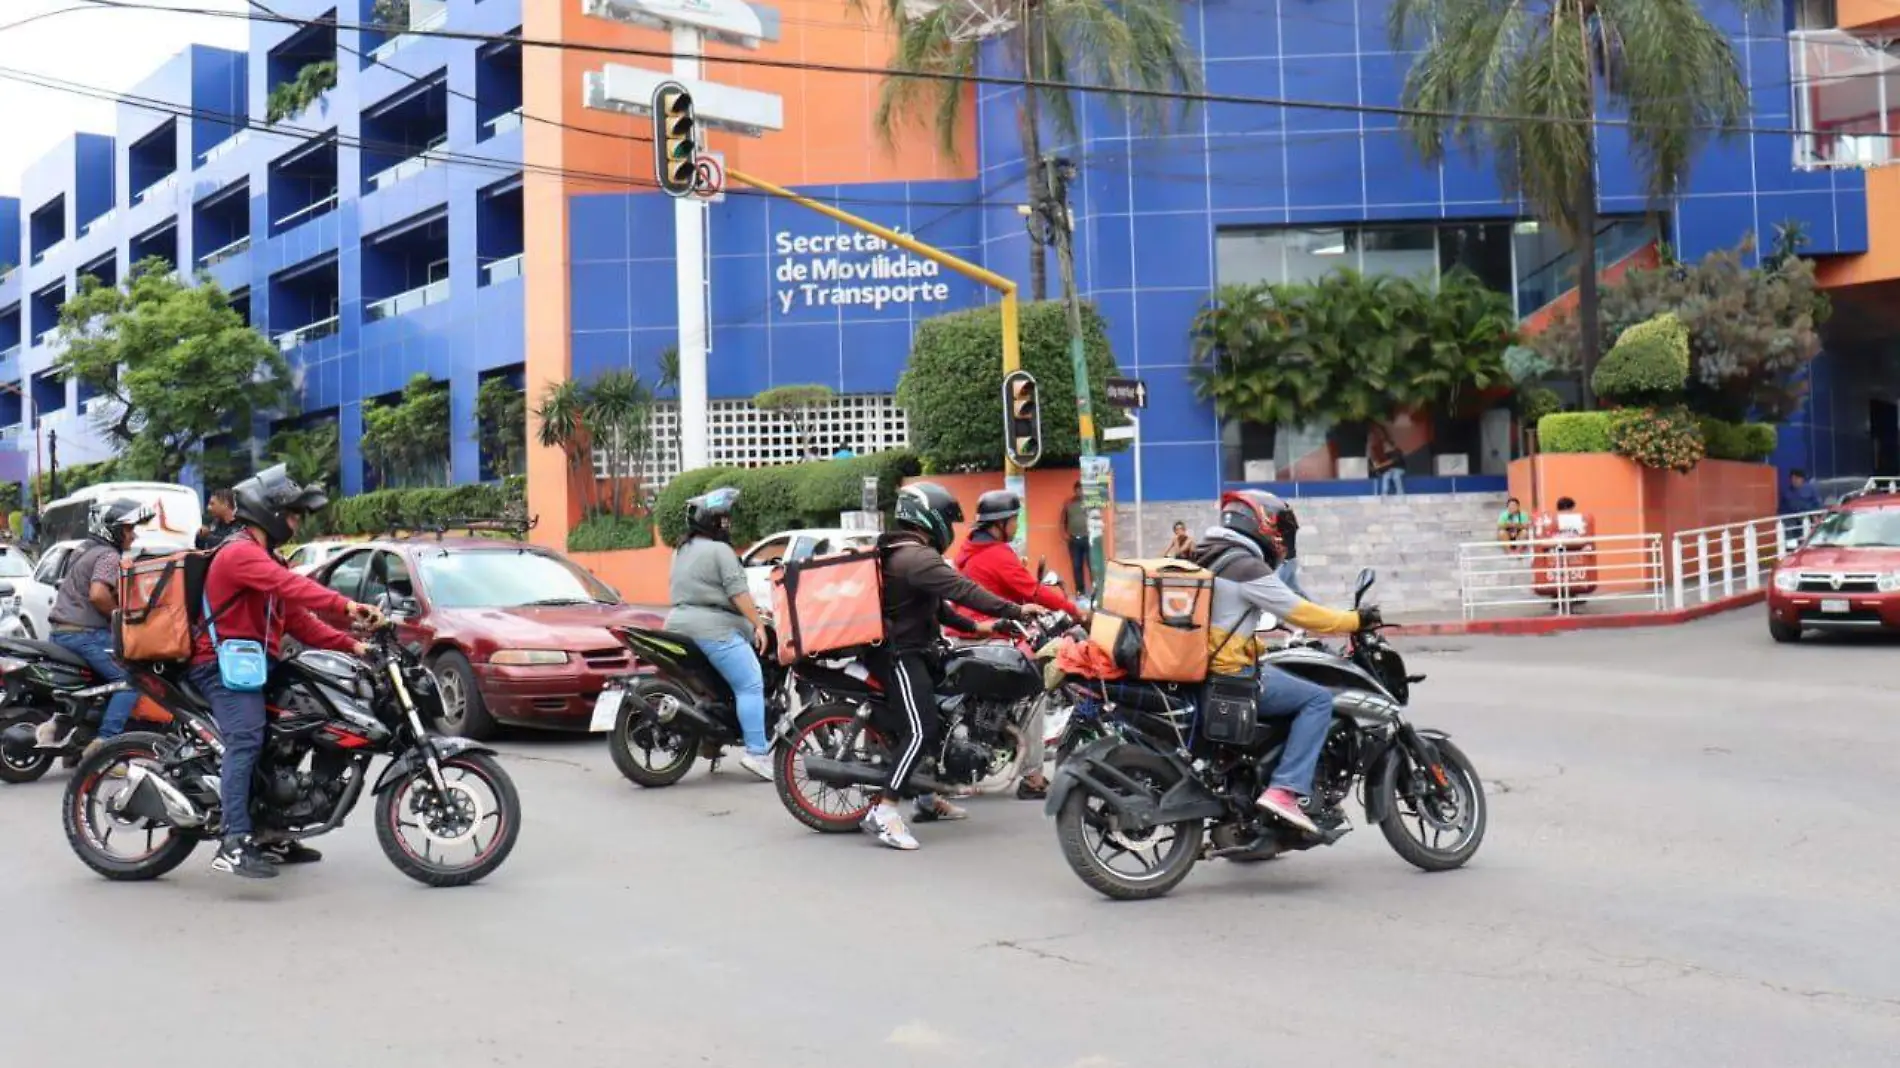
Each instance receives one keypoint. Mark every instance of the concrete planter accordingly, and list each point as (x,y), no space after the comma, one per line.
(1626,498)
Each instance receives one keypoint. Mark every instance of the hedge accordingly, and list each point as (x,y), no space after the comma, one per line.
(383,510)
(605,533)
(1649,363)
(787,497)
(1574,432)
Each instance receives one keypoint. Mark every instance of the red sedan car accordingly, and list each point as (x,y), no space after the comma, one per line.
(515,633)
(1846,576)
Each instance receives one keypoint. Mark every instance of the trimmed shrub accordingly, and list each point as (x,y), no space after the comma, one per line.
(1759,441)
(368,514)
(602,533)
(1535,403)
(1574,432)
(1748,442)
(1649,363)
(1667,439)
(669,508)
(786,497)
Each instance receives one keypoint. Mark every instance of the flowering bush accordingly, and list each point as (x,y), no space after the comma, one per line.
(1667,439)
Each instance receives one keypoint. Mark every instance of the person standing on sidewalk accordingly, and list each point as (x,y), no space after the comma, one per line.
(82,610)
(1075,528)
(1386,461)
(221,508)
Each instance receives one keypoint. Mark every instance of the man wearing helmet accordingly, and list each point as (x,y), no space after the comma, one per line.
(988,558)
(1243,552)
(88,595)
(712,605)
(919,586)
(252,594)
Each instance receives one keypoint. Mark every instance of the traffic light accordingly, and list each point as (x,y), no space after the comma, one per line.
(1022,419)
(675,139)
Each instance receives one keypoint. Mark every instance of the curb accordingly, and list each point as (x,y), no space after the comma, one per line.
(1559,624)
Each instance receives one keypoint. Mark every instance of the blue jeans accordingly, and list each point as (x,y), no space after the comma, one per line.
(1311,706)
(1391,480)
(95,648)
(240,719)
(736,660)
(1289,573)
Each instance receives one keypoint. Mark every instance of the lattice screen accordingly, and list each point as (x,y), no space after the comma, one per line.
(743,436)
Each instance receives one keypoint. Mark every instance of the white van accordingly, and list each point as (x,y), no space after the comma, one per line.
(178,513)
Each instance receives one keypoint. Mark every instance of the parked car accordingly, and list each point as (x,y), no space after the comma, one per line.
(515,634)
(38,591)
(312,555)
(16,576)
(1845,576)
(768,553)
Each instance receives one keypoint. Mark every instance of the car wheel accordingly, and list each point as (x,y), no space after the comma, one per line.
(1783,632)
(464,713)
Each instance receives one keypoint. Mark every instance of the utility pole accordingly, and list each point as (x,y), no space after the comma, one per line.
(52,454)
(1059,224)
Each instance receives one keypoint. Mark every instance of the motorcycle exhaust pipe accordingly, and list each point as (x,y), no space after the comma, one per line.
(20,741)
(153,798)
(851,773)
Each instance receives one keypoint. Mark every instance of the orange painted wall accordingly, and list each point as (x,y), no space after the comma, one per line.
(1049,490)
(641,575)
(1881,261)
(1623,497)
(1865,14)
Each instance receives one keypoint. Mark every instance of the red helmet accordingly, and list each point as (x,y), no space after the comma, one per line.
(1258,516)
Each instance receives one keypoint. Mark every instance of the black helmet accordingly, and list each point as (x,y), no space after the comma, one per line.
(107,518)
(930,510)
(709,515)
(996,506)
(264,499)
(1258,516)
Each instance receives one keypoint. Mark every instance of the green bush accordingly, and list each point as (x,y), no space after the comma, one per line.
(384,510)
(1535,403)
(1649,363)
(602,533)
(1574,432)
(16,522)
(953,389)
(787,497)
(1666,439)
(1748,442)
(73,478)
(1759,440)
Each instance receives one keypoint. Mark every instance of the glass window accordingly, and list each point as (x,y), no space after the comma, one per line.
(1243,257)
(506,578)
(1314,254)
(51,566)
(1484,249)
(388,575)
(1398,251)
(1814,15)
(768,552)
(1859,528)
(346,577)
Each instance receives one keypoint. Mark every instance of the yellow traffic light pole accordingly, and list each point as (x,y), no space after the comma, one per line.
(1012,341)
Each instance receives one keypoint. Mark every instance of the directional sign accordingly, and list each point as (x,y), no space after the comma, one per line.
(1126,393)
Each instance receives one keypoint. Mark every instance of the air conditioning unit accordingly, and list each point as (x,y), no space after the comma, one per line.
(1257,471)
(1451,464)
(1352,467)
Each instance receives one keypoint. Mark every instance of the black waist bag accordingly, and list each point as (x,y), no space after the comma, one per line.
(1229,706)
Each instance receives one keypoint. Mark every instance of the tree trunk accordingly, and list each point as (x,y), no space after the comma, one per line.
(1029,125)
(1589,324)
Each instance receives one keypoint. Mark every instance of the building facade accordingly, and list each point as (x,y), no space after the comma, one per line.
(475,211)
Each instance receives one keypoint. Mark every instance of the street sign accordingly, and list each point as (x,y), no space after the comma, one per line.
(1126,393)
(868,494)
(709,177)
(1095,473)
(1119,433)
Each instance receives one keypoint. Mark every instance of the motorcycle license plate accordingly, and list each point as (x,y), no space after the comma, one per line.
(606,710)
(1836,605)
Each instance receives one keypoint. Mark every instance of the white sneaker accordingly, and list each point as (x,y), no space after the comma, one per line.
(760,765)
(886,824)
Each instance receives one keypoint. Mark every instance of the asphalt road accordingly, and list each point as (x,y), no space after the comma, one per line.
(1691,861)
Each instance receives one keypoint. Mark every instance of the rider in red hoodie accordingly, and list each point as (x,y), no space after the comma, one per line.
(988,558)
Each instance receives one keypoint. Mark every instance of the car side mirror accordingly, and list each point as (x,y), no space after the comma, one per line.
(1367,577)
(396,606)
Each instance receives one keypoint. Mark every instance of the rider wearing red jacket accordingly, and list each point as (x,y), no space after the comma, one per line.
(989,559)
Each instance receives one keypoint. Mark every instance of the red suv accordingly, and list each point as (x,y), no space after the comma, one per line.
(516,634)
(1846,576)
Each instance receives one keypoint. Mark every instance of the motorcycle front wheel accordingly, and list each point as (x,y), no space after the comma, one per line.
(424,831)
(97,832)
(1093,841)
(24,767)
(650,746)
(1435,829)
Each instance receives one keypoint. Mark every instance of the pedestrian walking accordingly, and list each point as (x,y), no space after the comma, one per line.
(1075,526)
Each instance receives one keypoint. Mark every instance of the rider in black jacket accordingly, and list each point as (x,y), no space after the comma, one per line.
(919,585)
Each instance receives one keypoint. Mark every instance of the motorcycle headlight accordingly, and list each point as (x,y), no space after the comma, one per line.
(528,657)
(1787,581)
(1888,582)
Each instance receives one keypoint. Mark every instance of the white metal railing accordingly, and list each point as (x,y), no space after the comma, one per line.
(9,354)
(408,168)
(12,432)
(104,219)
(216,256)
(1560,574)
(504,122)
(303,335)
(227,146)
(418,23)
(1719,561)
(309,210)
(41,254)
(404,303)
(503,269)
(6,271)
(159,186)
(45,335)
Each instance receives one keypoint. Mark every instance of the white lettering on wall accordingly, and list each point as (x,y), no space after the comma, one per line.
(835,270)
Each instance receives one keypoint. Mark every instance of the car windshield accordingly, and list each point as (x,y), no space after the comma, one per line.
(1860,528)
(14,564)
(506,578)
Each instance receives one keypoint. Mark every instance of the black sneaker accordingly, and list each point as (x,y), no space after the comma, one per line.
(289,853)
(239,856)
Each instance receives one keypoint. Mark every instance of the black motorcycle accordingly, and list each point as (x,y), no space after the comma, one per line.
(51,705)
(663,721)
(1159,793)
(329,715)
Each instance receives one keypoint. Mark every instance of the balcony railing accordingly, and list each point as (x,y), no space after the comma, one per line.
(162,185)
(39,255)
(104,220)
(419,22)
(304,335)
(46,336)
(404,303)
(6,271)
(12,433)
(503,269)
(10,364)
(309,211)
(504,122)
(241,245)
(227,146)
(1847,95)
(408,168)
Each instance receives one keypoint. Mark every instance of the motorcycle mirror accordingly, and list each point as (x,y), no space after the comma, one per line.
(1367,577)
(1049,579)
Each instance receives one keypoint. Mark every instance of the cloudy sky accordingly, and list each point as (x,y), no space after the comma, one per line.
(110,50)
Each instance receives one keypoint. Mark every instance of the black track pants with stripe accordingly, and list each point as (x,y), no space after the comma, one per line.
(910,710)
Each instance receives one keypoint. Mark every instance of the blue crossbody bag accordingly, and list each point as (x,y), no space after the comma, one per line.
(243,664)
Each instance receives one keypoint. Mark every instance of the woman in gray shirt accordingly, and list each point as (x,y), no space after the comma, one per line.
(713,606)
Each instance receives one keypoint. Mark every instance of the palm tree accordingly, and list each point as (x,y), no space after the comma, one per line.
(560,424)
(1660,61)
(670,383)
(1123,44)
(616,405)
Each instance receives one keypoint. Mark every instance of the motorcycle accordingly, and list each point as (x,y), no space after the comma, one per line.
(664,721)
(1156,789)
(51,705)
(329,715)
(834,748)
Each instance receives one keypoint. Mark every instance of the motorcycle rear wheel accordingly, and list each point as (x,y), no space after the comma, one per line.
(31,768)
(1471,813)
(89,840)
(1076,820)
(639,734)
